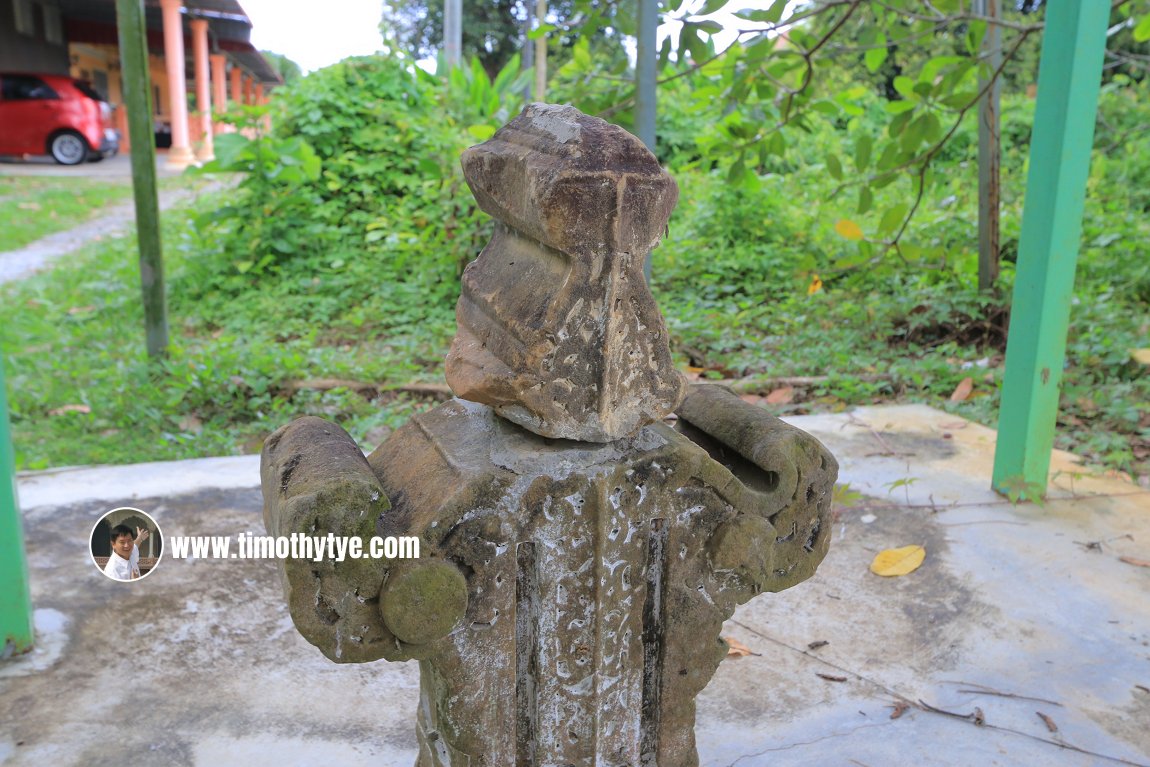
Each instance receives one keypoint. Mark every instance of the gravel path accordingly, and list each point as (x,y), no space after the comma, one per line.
(116,219)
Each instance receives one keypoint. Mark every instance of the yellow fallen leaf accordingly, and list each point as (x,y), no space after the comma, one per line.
(781,396)
(848,229)
(815,286)
(898,561)
(1141,356)
(963,390)
(736,649)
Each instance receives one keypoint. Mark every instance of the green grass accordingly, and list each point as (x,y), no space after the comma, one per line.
(733,280)
(32,207)
(82,390)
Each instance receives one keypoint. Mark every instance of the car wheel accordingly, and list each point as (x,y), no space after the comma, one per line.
(68,148)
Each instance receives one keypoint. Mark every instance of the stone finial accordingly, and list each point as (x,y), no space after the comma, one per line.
(557,330)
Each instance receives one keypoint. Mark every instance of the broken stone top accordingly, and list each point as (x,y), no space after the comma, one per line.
(557,330)
(571,181)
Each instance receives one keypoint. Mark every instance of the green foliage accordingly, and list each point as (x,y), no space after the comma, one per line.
(338,255)
(359,175)
(274,194)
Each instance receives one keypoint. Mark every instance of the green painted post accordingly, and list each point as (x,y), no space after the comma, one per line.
(15,600)
(137,92)
(1069,76)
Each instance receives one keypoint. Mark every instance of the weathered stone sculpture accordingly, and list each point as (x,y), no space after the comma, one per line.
(556,328)
(567,606)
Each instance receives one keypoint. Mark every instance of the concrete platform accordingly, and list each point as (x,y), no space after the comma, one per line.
(1016,610)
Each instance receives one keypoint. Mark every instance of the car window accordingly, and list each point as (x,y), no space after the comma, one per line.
(25,87)
(88,90)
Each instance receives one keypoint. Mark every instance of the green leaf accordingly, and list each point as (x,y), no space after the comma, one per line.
(900,121)
(771,15)
(693,44)
(959,100)
(709,26)
(775,12)
(898,107)
(229,149)
(509,72)
(664,53)
(862,152)
(866,200)
(1142,30)
(892,218)
(884,180)
(581,53)
(736,171)
(711,6)
(834,167)
(890,157)
(933,127)
(776,144)
(905,87)
(540,31)
(974,35)
(481,132)
(876,56)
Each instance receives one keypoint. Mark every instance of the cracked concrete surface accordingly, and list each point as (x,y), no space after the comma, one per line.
(199,665)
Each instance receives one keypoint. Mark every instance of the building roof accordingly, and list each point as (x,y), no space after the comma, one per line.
(229,29)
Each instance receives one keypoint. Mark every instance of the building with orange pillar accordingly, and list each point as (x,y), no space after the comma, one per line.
(195,48)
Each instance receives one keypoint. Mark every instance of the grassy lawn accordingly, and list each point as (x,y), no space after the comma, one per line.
(32,207)
(325,284)
(315,343)
(83,392)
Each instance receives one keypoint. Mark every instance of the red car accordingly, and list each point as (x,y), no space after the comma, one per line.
(56,115)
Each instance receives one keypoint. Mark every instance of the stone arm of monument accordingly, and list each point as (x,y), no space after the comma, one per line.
(781,484)
(316,481)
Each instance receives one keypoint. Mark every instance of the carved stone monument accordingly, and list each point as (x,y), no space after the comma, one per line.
(578,554)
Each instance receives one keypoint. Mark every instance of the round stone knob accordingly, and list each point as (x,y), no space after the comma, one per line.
(744,547)
(424,602)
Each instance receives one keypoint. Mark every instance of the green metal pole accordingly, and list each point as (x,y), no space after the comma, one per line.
(1069,76)
(15,600)
(137,92)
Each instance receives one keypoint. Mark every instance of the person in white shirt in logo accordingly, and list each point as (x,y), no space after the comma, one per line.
(123,565)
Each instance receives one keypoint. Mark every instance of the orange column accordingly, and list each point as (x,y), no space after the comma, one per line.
(203,88)
(219,83)
(237,86)
(180,155)
(247,89)
(266,120)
